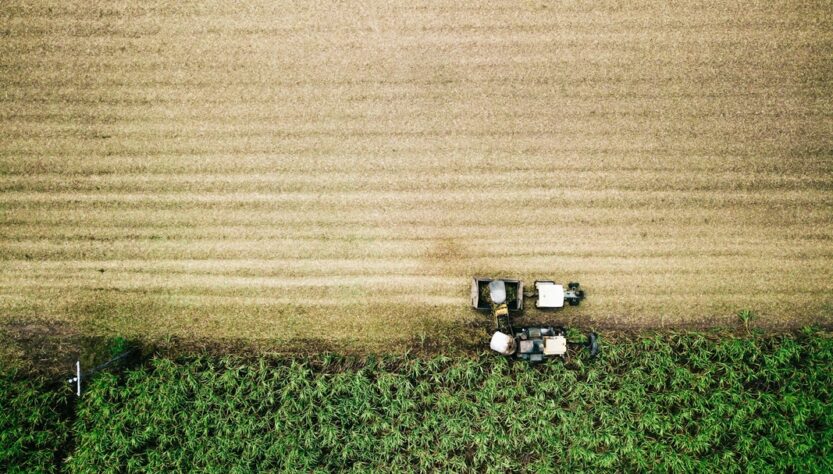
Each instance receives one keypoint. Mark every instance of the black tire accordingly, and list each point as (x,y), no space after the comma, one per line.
(580,294)
(593,345)
(572,285)
(573,301)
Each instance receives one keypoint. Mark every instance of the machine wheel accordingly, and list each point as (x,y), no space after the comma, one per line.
(593,345)
(572,285)
(573,301)
(580,294)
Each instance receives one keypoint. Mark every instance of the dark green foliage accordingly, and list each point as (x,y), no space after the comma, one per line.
(118,345)
(33,426)
(672,403)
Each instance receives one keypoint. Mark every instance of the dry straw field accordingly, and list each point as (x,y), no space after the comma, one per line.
(339,171)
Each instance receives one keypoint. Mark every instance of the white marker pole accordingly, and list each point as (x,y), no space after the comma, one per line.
(77,378)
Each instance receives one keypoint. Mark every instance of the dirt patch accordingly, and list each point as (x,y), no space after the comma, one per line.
(43,347)
(444,250)
(444,256)
(51,348)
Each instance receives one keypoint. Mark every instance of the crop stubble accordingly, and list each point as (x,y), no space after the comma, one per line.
(288,170)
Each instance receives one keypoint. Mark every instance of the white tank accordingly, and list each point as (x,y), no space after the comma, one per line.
(497,291)
(502,343)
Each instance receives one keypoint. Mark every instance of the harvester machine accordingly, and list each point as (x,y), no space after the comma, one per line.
(503,298)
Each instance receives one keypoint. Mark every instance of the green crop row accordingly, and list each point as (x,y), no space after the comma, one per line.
(664,403)
(34,424)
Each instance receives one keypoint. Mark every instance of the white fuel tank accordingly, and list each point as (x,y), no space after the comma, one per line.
(502,343)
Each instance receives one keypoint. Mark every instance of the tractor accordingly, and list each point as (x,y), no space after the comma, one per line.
(504,297)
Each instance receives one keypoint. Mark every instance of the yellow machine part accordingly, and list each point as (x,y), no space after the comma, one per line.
(501,315)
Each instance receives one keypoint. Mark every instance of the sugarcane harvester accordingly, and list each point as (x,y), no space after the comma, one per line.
(502,297)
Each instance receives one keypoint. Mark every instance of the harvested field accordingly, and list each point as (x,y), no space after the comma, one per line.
(280,170)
